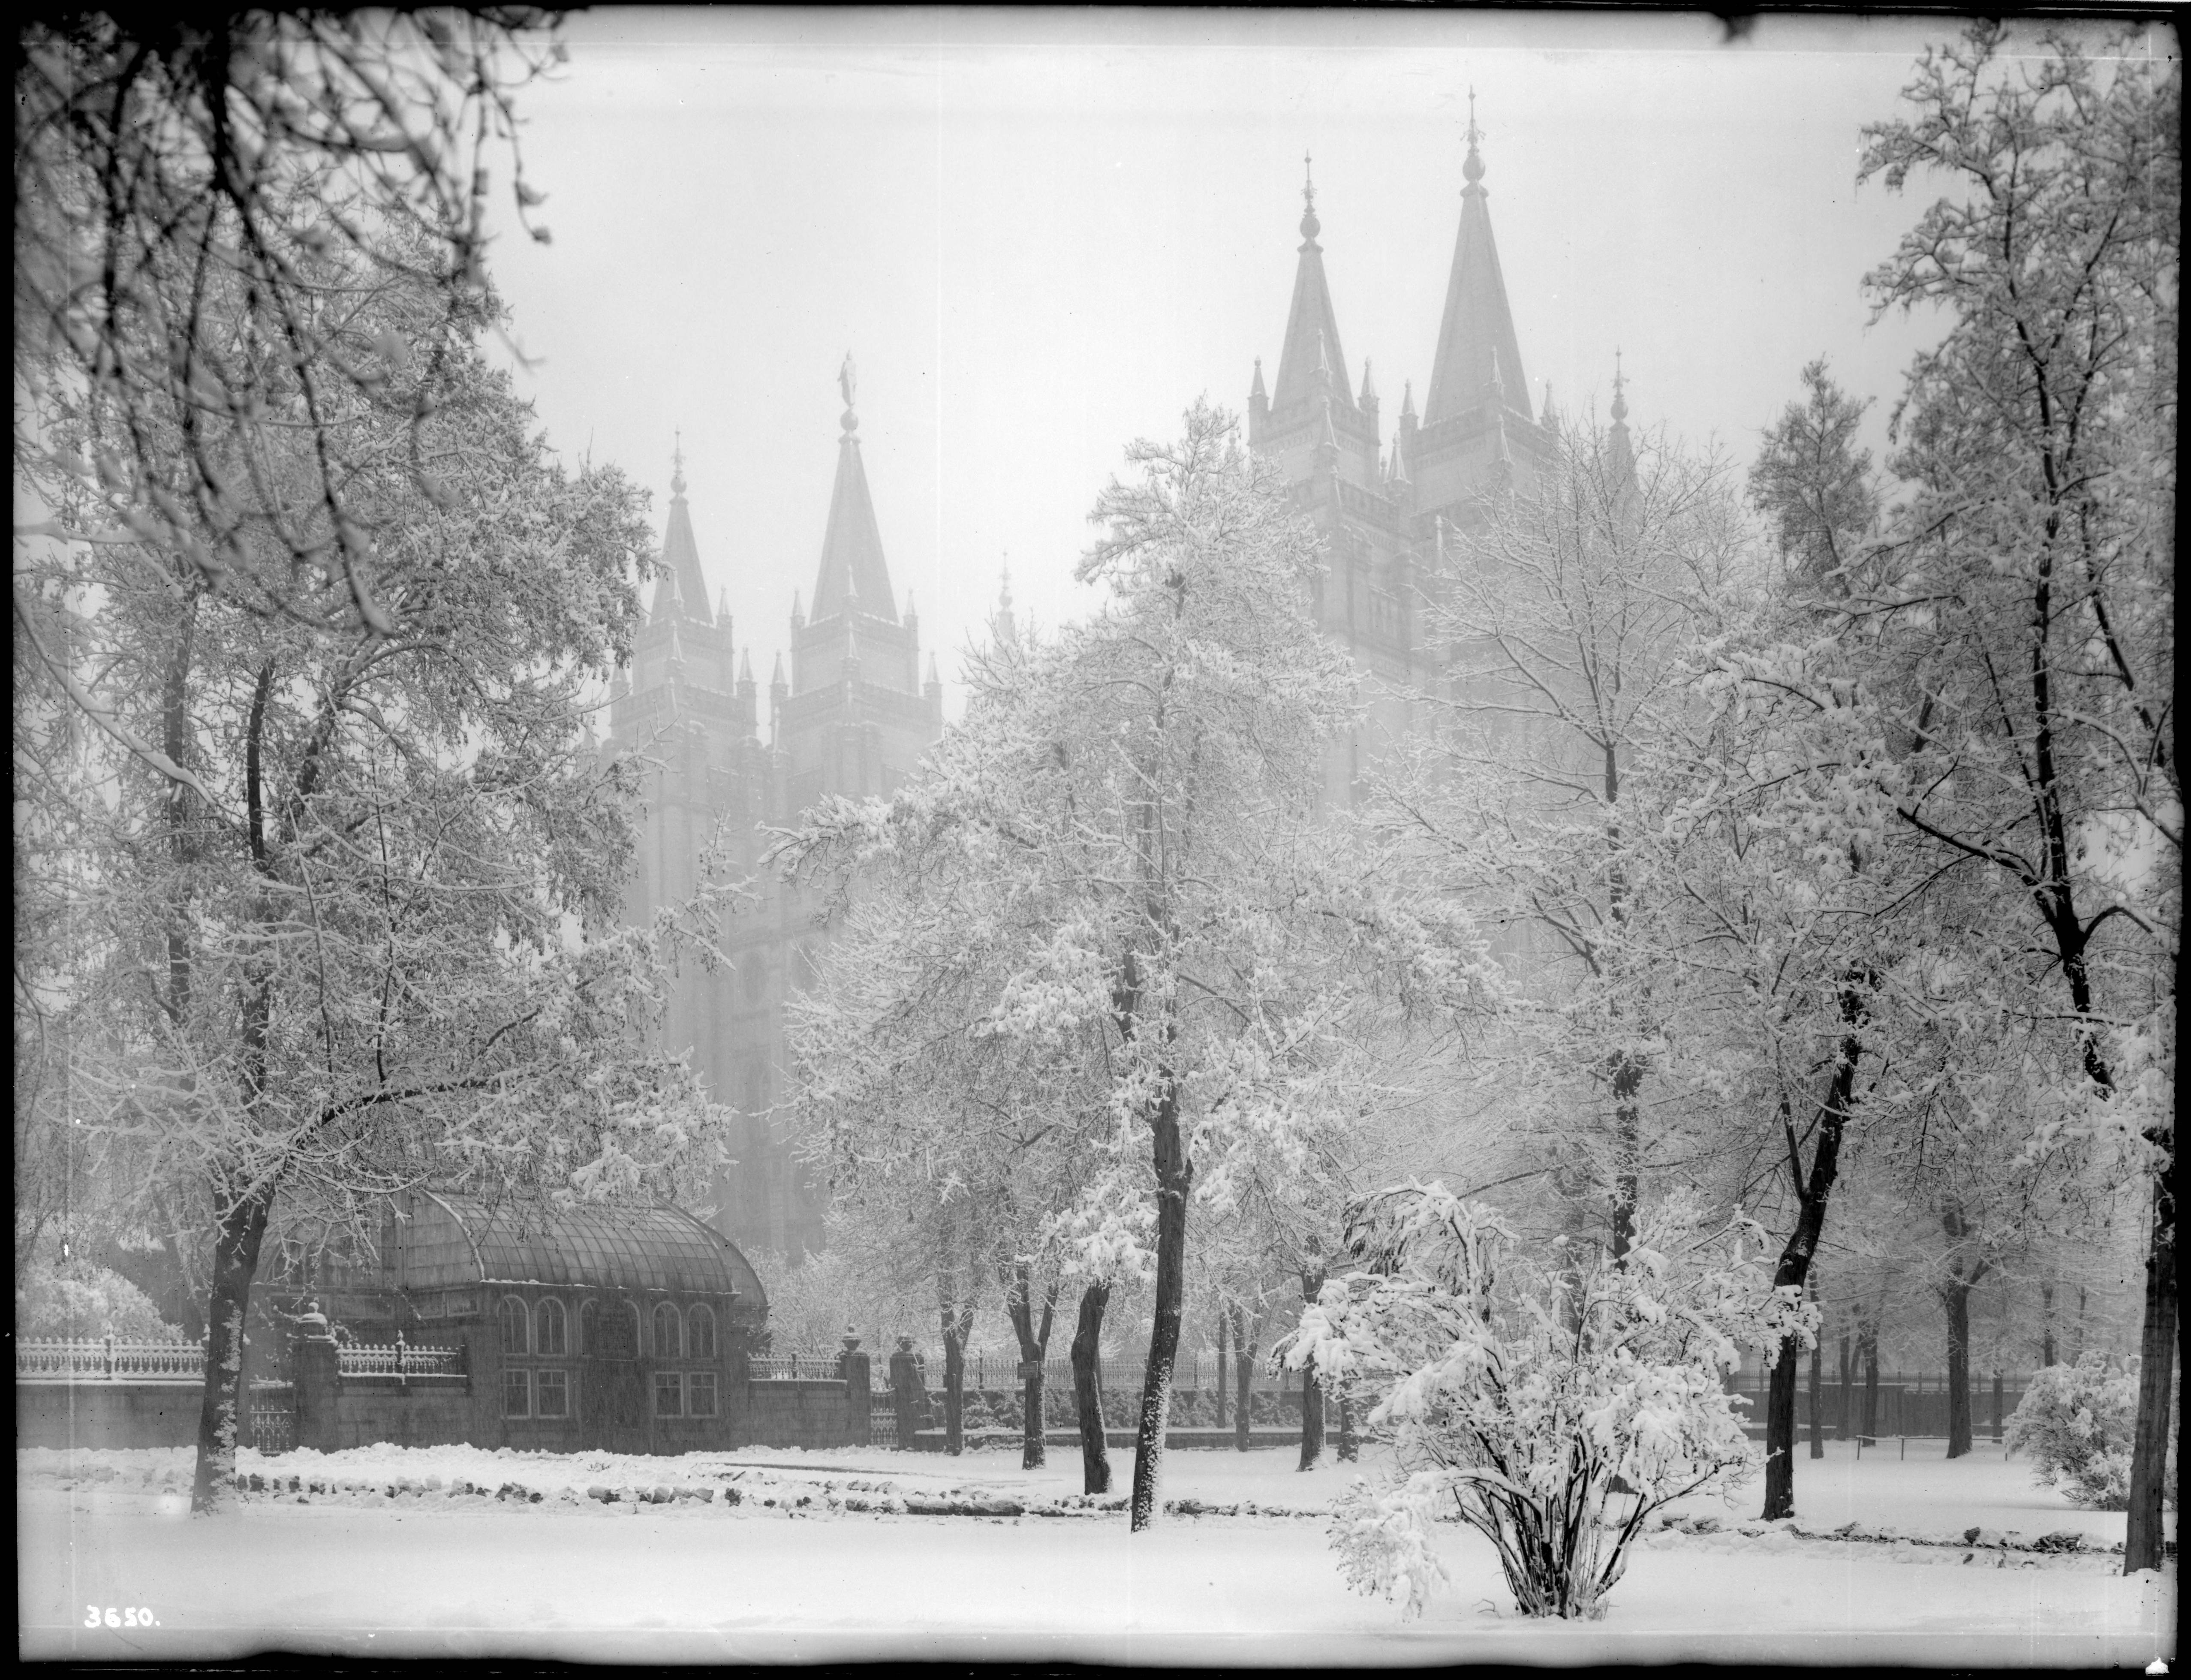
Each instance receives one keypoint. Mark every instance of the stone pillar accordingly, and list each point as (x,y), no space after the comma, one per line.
(904,1391)
(852,1367)
(316,1363)
(1996,1406)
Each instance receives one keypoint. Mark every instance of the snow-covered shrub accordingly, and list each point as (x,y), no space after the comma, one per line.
(2079,1422)
(76,1300)
(1518,1387)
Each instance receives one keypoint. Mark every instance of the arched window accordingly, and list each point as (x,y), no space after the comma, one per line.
(669,1333)
(548,1334)
(700,1332)
(514,1317)
(589,1327)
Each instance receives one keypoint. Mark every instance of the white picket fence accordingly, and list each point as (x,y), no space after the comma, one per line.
(54,1360)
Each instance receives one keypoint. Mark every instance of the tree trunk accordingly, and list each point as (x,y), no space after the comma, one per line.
(1817,1384)
(1868,1344)
(1088,1390)
(1811,1190)
(224,1412)
(1844,1424)
(1955,1295)
(1628,1129)
(1348,1448)
(1224,1317)
(1244,1371)
(2045,1323)
(2156,1375)
(1174,1176)
(1311,1433)
(1034,1347)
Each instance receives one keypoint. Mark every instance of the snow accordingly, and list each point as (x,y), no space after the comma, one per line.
(438,1574)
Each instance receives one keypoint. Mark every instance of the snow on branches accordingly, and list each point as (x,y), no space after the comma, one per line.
(1551,1403)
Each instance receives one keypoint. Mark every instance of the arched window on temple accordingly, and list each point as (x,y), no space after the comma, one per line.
(514,1322)
(589,1326)
(550,1335)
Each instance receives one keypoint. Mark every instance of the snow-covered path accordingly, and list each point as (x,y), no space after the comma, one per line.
(445,1576)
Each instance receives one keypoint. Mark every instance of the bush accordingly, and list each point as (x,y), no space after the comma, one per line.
(78,1300)
(1517,1391)
(2079,1423)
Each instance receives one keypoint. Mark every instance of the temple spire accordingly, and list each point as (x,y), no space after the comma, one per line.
(853,574)
(1312,348)
(1479,360)
(682,587)
(1621,455)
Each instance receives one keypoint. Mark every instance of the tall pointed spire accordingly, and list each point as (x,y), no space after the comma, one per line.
(1621,455)
(682,588)
(853,570)
(1476,347)
(1311,347)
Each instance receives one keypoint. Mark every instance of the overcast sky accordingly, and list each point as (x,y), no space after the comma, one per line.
(1042,234)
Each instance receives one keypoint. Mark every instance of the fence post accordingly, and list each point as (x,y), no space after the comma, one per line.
(1996,1405)
(110,1354)
(852,1366)
(318,1366)
(402,1380)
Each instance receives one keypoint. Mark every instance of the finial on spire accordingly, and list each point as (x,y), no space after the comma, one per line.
(1473,166)
(1310,226)
(1619,401)
(677,465)
(1004,585)
(848,383)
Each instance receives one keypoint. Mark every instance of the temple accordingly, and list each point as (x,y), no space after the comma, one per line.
(1383,509)
(853,717)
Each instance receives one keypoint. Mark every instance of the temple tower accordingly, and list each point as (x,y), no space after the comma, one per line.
(1384,512)
(853,717)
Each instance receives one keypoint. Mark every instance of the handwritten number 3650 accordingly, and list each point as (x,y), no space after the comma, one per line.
(112,1617)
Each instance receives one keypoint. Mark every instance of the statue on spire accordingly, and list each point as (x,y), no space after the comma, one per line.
(848,384)
(1471,168)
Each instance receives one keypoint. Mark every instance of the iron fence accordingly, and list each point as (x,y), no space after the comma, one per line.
(399,1360)
(1193,1370)
(107,1360)
(793,1367)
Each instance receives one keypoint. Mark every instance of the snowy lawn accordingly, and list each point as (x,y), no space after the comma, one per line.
(437,1572)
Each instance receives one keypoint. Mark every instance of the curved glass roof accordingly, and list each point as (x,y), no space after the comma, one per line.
(450,1240)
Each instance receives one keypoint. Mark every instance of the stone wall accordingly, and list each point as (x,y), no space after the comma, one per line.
(83,1415)
(368,1411)
(796,1414)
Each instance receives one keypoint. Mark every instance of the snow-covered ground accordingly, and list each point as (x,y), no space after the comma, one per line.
(437,1571)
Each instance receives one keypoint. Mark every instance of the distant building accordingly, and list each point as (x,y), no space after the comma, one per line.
(1386,509)
(854,717)
(858,710)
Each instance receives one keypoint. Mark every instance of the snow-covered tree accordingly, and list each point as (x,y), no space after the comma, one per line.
(1137,806)
(1568,609)
(2031,620)
(1553,1405)
(161,163)
(340,897)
